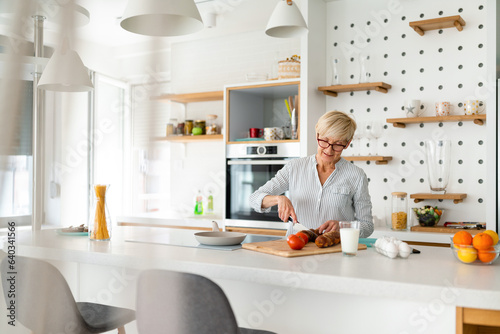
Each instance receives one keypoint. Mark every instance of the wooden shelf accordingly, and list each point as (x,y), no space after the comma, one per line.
(379,160)
(400,122)
(381,87)
(190,139)
(443,229)
(191,97)
(438,23)
(457,198)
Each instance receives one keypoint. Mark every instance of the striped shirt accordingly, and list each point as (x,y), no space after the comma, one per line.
(343,196)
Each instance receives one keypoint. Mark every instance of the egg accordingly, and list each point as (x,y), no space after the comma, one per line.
(391,250)
(404,250)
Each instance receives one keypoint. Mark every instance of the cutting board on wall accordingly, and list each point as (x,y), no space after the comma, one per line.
(281,248)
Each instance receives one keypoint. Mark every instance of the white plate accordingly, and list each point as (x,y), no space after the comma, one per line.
(220,238)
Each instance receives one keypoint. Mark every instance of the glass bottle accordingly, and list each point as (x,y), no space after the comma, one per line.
(399,211)
(100,219)
(198,205)
(335,62)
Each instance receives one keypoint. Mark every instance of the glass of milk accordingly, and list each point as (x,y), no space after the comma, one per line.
(349,237)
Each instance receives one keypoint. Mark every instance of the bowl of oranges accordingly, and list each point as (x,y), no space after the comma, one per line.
(482,248)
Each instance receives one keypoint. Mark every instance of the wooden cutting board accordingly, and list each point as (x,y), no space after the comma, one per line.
(281,248)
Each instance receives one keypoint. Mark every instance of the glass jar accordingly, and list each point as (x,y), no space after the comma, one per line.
(188,127)
(100,219)
(202,125)
(399,211)
(211,125)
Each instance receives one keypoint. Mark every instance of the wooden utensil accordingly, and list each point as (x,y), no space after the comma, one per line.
(281,248)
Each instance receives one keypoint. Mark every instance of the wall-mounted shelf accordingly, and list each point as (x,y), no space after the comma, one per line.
(190,139)
(191,97)
(401,122)
(457,198)
(381,87)
(438,23)
(379,160)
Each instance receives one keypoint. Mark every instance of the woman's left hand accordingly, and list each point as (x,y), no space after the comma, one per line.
(328,226)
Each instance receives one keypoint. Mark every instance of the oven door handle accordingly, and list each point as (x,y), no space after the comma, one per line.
(257,162)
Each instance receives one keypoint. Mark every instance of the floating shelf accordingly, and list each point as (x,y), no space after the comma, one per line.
(401,122)
(381,87)
(379,160)
(457,198)
(190,139)
(191,97)
(438,23)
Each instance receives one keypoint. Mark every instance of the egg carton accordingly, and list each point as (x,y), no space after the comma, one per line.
(392,247)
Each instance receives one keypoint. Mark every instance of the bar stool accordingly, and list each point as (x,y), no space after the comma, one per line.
(44,303)
(181,303)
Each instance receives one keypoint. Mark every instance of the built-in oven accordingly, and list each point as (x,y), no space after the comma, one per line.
(249,166)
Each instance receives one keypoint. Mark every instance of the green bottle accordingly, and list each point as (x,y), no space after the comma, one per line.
(210,204)
(198,206)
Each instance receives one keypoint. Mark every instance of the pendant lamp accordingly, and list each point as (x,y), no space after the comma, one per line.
(65,72)
(161,17)
(286,21)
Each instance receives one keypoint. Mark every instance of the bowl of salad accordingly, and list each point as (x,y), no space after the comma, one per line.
(428,215)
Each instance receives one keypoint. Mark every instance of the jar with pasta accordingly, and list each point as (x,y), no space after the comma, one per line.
(100,219)
(399,211)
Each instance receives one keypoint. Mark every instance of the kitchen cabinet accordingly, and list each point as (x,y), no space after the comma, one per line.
(401,122)
(438,23)
(259,106)
(381,87)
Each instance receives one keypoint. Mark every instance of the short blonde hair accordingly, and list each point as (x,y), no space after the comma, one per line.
(336,124)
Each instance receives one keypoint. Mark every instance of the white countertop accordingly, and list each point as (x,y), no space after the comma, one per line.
(205,221)
(434,273)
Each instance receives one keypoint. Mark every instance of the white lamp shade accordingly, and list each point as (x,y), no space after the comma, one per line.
(286,21)
(162,17)
(65,72)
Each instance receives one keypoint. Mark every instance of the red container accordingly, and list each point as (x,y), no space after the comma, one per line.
(256,132)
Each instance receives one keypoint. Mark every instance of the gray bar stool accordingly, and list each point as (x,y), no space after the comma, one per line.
(44,303)
(182,303)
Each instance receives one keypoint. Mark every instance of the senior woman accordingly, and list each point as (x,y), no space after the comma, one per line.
(323,188)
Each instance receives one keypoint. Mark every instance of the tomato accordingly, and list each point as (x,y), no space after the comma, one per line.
(303,236)
(295,242)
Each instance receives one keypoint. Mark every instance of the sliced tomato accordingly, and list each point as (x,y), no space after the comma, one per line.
(303,236)
(295,242)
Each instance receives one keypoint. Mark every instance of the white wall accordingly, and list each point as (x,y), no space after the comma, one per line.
(394,48)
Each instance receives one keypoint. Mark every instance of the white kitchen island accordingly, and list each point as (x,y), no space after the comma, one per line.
(321,294)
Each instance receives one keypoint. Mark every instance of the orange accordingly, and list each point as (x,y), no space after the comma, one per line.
(486,255)
(482,241)
(492,234)
(462,238)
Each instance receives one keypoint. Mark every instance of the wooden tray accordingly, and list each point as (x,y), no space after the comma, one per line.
(281,248)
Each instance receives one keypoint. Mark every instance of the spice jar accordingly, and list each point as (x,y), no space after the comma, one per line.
(188,127)
(201,124)
(211,125)
(399,211)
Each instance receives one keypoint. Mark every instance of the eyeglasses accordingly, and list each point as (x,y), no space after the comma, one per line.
(336,147)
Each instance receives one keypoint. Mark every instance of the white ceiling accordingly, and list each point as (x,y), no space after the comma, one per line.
(233,16)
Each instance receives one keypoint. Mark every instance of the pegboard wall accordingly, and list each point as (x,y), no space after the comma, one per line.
(442,65)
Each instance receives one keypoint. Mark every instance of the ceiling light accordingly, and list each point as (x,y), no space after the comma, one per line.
(286,21)
(65,72)
(162,17)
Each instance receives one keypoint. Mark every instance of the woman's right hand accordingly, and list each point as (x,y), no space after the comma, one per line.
(285,209)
